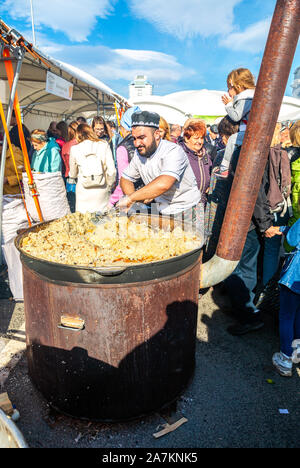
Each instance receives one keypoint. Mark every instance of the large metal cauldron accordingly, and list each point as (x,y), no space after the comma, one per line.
(131,350)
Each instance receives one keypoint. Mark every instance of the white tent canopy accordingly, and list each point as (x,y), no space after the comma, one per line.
(290,109)
(167,109)
(207,104)
(90,96)
(201,102)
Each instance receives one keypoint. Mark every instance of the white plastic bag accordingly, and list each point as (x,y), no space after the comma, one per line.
(14,217)
(52,196)
(14,269)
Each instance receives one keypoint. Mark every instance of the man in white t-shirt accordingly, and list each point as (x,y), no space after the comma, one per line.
(162,165)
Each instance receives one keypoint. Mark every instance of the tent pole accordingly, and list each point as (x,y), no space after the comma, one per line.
(98,104)
(4,147)
(103,103)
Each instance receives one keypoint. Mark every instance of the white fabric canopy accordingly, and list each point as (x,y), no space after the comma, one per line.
(167,109)
(90,95)
(290,109)
(199,102)
(176,107)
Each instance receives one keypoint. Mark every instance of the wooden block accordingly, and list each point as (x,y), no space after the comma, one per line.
(5,404)
(72,322)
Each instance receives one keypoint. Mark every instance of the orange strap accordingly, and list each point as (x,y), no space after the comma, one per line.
(31,183)
(13,158)
(20,42)
(116,110)
(121,112)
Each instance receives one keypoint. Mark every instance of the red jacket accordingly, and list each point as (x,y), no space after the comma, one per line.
(65,154)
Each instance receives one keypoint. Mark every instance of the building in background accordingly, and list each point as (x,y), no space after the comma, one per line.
(140,87)
(296,84)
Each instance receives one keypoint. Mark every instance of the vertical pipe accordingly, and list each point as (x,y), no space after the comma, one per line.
(4,147)
(271,85)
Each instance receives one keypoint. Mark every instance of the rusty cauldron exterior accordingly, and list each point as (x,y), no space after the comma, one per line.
(112,350)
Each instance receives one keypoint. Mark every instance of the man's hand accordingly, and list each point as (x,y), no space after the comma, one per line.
(226,99)
(124,203)
(273,231)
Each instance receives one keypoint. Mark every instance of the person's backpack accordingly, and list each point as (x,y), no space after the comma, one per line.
(93,173)
(280,181)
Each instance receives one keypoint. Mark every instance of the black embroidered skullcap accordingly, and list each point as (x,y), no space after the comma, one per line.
(145,119)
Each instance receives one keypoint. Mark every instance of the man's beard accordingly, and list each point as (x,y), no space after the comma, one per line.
(150,150)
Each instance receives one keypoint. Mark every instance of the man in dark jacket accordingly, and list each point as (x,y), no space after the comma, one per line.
(241,283)
(213,138)
(14,135)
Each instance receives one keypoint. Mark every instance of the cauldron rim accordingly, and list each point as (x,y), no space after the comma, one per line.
(110,270)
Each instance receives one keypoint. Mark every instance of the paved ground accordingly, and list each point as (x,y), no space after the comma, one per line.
(229,403)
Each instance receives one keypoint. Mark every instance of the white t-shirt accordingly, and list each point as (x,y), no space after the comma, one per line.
(169,159)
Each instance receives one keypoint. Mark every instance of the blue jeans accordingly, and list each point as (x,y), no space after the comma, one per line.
(289,319)
(271,257)
(272,250)
(241,283)
(71,196)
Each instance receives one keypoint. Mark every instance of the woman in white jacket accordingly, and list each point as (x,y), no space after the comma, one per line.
(91,162)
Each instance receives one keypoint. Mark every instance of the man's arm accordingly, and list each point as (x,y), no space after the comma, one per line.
(127,186)
(152,190)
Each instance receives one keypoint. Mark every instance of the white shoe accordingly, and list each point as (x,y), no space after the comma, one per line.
(283,364)
(296,353)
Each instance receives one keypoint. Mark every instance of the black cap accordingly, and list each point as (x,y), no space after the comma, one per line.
(214,128)
(145,119)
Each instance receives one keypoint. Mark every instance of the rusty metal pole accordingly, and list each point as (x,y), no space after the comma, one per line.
(271,85)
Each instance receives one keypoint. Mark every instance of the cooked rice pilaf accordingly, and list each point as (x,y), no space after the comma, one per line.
(75,240)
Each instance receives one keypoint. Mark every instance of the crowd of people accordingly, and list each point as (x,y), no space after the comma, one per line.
(188,170)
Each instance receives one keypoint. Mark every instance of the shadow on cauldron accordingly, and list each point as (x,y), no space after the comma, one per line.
(148,379)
